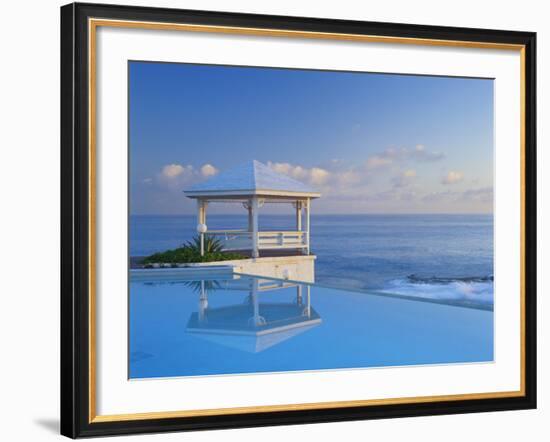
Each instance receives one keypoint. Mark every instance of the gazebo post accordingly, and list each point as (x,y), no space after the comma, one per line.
(298,215)
(201,219)
(254,205)
(308,301)
(255,303)
(203,302)
(307,226)
(250,221)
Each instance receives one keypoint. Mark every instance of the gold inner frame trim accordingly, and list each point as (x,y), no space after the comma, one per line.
(298,407)
(93,24)
(298,34)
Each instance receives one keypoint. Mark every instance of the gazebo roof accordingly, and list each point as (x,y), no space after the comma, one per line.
(254,343)
(232,326)
(249,179)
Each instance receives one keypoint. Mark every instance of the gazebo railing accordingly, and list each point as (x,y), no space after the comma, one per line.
(281,240)
(243,240)
(232,239)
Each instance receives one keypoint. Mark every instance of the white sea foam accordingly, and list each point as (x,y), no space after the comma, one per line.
(477,292)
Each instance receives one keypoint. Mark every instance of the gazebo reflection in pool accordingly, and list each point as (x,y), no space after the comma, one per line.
(252,325)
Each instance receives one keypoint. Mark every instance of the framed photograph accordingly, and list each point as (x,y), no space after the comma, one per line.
(274,220)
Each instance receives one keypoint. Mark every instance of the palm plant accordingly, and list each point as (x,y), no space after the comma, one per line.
(207,285)
(211,245)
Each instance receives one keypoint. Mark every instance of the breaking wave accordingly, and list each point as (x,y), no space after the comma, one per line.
(473,291)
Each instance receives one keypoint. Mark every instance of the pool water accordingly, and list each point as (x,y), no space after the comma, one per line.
(240,324)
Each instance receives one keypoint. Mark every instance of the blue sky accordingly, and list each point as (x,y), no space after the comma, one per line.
(371,143)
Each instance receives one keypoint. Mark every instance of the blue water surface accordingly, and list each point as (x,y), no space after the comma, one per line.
(223,325)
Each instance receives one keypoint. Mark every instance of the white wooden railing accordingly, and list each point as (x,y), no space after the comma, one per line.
(242,239)
(232,239)
(264,285)
(281,240)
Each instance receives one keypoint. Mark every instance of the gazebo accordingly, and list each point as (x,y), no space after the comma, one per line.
(253,326)
(253,185)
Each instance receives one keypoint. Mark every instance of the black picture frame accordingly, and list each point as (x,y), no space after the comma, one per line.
(75,219)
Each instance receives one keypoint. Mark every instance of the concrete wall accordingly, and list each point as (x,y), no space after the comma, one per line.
(294,268)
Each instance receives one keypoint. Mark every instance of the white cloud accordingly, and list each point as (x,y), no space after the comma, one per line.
(404,178)
(479,195)
(393,155)
(387,181)
(285,168)
(420,153)
(333,178)
(378,162)
(207,170)
(337,176)
(452,177)
(315,175)
(483,194)
(348,177)
(174,170)
(299,172)
(178,176)
(319,176)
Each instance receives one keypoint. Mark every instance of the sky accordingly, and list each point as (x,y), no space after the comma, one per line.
(370,143)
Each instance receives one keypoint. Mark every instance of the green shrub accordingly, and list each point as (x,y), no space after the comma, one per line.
(190,253)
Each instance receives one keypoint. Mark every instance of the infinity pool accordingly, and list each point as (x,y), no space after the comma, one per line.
(240,324)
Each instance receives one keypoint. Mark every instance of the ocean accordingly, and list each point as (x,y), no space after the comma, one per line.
(441,258)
